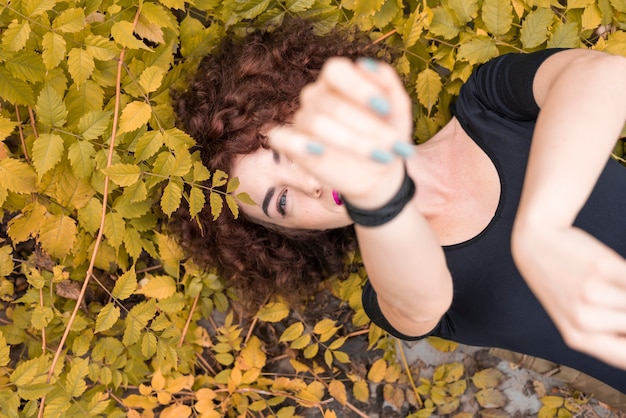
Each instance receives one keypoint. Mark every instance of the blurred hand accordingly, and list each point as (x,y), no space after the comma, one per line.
(581,284)
(348,125)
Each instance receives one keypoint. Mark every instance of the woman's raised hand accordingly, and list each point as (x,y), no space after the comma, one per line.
(351,131)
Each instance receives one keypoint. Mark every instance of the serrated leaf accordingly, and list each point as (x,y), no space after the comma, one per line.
(50,107)
(17,176)
(148,344)
(94,123)
(149,31)
(133,242)
(5,351)
(148,145)
(6,264)
(54,49)
(14,38)
(15,90)
(497,16)
(292,332)
(7,126)
(171,197)
(57,235)
(80,64)
(536,27)
(137,320)
(125,285)
(35,8)
(219,178)
(151,78)
(215,200)
(42,315)
(34,391)
(107,317)
(123,174)
(26,65)
(70,21)
(324,326)
(101,48)
(196,200)
(477,50)
(592,17)
(361,391)
(444,24)
(114,227)
(47,152)
(273,312)
(232,205)
(135,115)
(159,287)
(465,10)
(75,384)
(565,36)
(414,26)
(428,87)
(122,32)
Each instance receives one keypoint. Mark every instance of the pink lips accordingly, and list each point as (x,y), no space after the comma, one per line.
(337,198)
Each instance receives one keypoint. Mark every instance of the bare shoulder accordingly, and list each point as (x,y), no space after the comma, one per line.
(587,64)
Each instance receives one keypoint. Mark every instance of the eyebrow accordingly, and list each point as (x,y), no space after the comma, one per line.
(266,200)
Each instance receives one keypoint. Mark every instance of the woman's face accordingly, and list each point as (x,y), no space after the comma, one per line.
(285,195)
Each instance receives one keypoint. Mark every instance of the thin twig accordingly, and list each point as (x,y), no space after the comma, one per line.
(186,328)
(408,373)
(21,131)
(83,290)
(43,330)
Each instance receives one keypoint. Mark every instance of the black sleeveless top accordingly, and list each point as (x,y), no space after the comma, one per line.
(492,305)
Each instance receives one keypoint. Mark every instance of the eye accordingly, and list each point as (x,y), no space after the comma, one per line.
(281,203)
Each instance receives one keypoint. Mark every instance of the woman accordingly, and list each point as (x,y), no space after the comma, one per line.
(434,222)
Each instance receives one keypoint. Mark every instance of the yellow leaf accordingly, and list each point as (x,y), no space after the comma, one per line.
(465,10)
(80,64)
(361,391)
(477,50)
(123,174)
(491,398)
(292,332)
(377,371)
(442,345)
(158,381)
(552,401)
(57,235)
(301,342)
(219,178)
(107,317)
(122,32)
(215,201)
(444,23)
(176,411)
(70,21)
(253,355)
(497,16)
(592,17)
(536,27)
(15,37)
(125,285)
(338,391)
(428,87)
(197,200)
(487,378)
(50,107)
(151,78)
(54,49)
(171,197)
(159,287)
(311,350)
(273,312)
(134,115)
(324,326)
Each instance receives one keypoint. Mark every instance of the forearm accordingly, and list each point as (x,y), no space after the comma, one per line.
(407,268)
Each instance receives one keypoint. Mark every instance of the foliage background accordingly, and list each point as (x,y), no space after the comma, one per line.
(103,315)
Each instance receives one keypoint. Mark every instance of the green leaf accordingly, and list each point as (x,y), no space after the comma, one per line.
(465,10)
(151,78)
(215,200)
(70,21)
(75,384)
(54,49)
(123,174)
(26,65)
(477,50)
(80,64)
(107,317)
(14,38)
(196,200)
(159,287)
(122,32)
(15,90)
(58,235)
(536,27)
(170,200)
(497,16)
(50,108)
(428,87)
(47,152)
(125,285)
(94,123)
(135,115)
(16,176)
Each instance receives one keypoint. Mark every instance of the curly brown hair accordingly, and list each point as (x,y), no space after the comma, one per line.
(243,87)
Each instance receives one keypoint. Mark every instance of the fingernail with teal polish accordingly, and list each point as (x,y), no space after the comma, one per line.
(381,156)
(369,64)
(403,149)
(379,105)
(315,148)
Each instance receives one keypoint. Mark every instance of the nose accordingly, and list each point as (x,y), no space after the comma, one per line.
(305,182)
